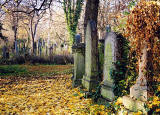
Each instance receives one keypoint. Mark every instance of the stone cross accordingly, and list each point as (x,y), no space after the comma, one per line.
(110,54)
(91,78)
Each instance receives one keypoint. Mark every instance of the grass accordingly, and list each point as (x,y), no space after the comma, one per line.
(34,70)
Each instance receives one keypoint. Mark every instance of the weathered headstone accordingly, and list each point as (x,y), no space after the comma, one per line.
(139,92)
(110,55)
(4,50)
(77,38)
(51,51)
(39,47)
(78,50)
(91,78)
(108,28)
(16,48)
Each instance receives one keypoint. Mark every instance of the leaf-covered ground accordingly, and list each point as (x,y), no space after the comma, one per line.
(46,94)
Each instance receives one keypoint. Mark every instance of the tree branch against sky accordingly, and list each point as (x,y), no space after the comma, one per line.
(33,9)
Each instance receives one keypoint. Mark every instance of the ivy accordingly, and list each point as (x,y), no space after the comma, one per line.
(72,14)
(143,25)
(118,73)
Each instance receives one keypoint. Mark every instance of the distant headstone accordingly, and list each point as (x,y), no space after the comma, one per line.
(110,54)
(51,53)
(16,47)
(40,47)
(46,50)
(108,28)
(77,38)
(91,78)
(4,50)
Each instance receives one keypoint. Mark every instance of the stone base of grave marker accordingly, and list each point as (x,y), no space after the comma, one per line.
(79,66)
(133,105)
(107,90)
(90,82)
(138,92)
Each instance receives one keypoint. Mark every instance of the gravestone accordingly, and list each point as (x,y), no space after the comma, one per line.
(91,78)
(39,47)
(4,51)
(46,51)
(16,48)
(51,52)
(139,91)
(110,55)
(78,50)
(77,38)
(55,47)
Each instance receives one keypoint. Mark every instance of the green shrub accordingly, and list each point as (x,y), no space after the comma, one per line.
(11,70)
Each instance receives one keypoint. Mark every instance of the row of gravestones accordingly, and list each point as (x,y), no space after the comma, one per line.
(86,69)
(40,49)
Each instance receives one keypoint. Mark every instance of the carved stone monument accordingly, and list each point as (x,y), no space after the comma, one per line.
(91,78)
(110,54)
(139,91)
(78,50)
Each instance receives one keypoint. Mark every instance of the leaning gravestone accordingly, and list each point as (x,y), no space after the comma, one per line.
(91,78)
(78,50)
(139,91)
(110,54)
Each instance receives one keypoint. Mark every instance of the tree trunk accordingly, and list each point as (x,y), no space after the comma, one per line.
(91,13)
